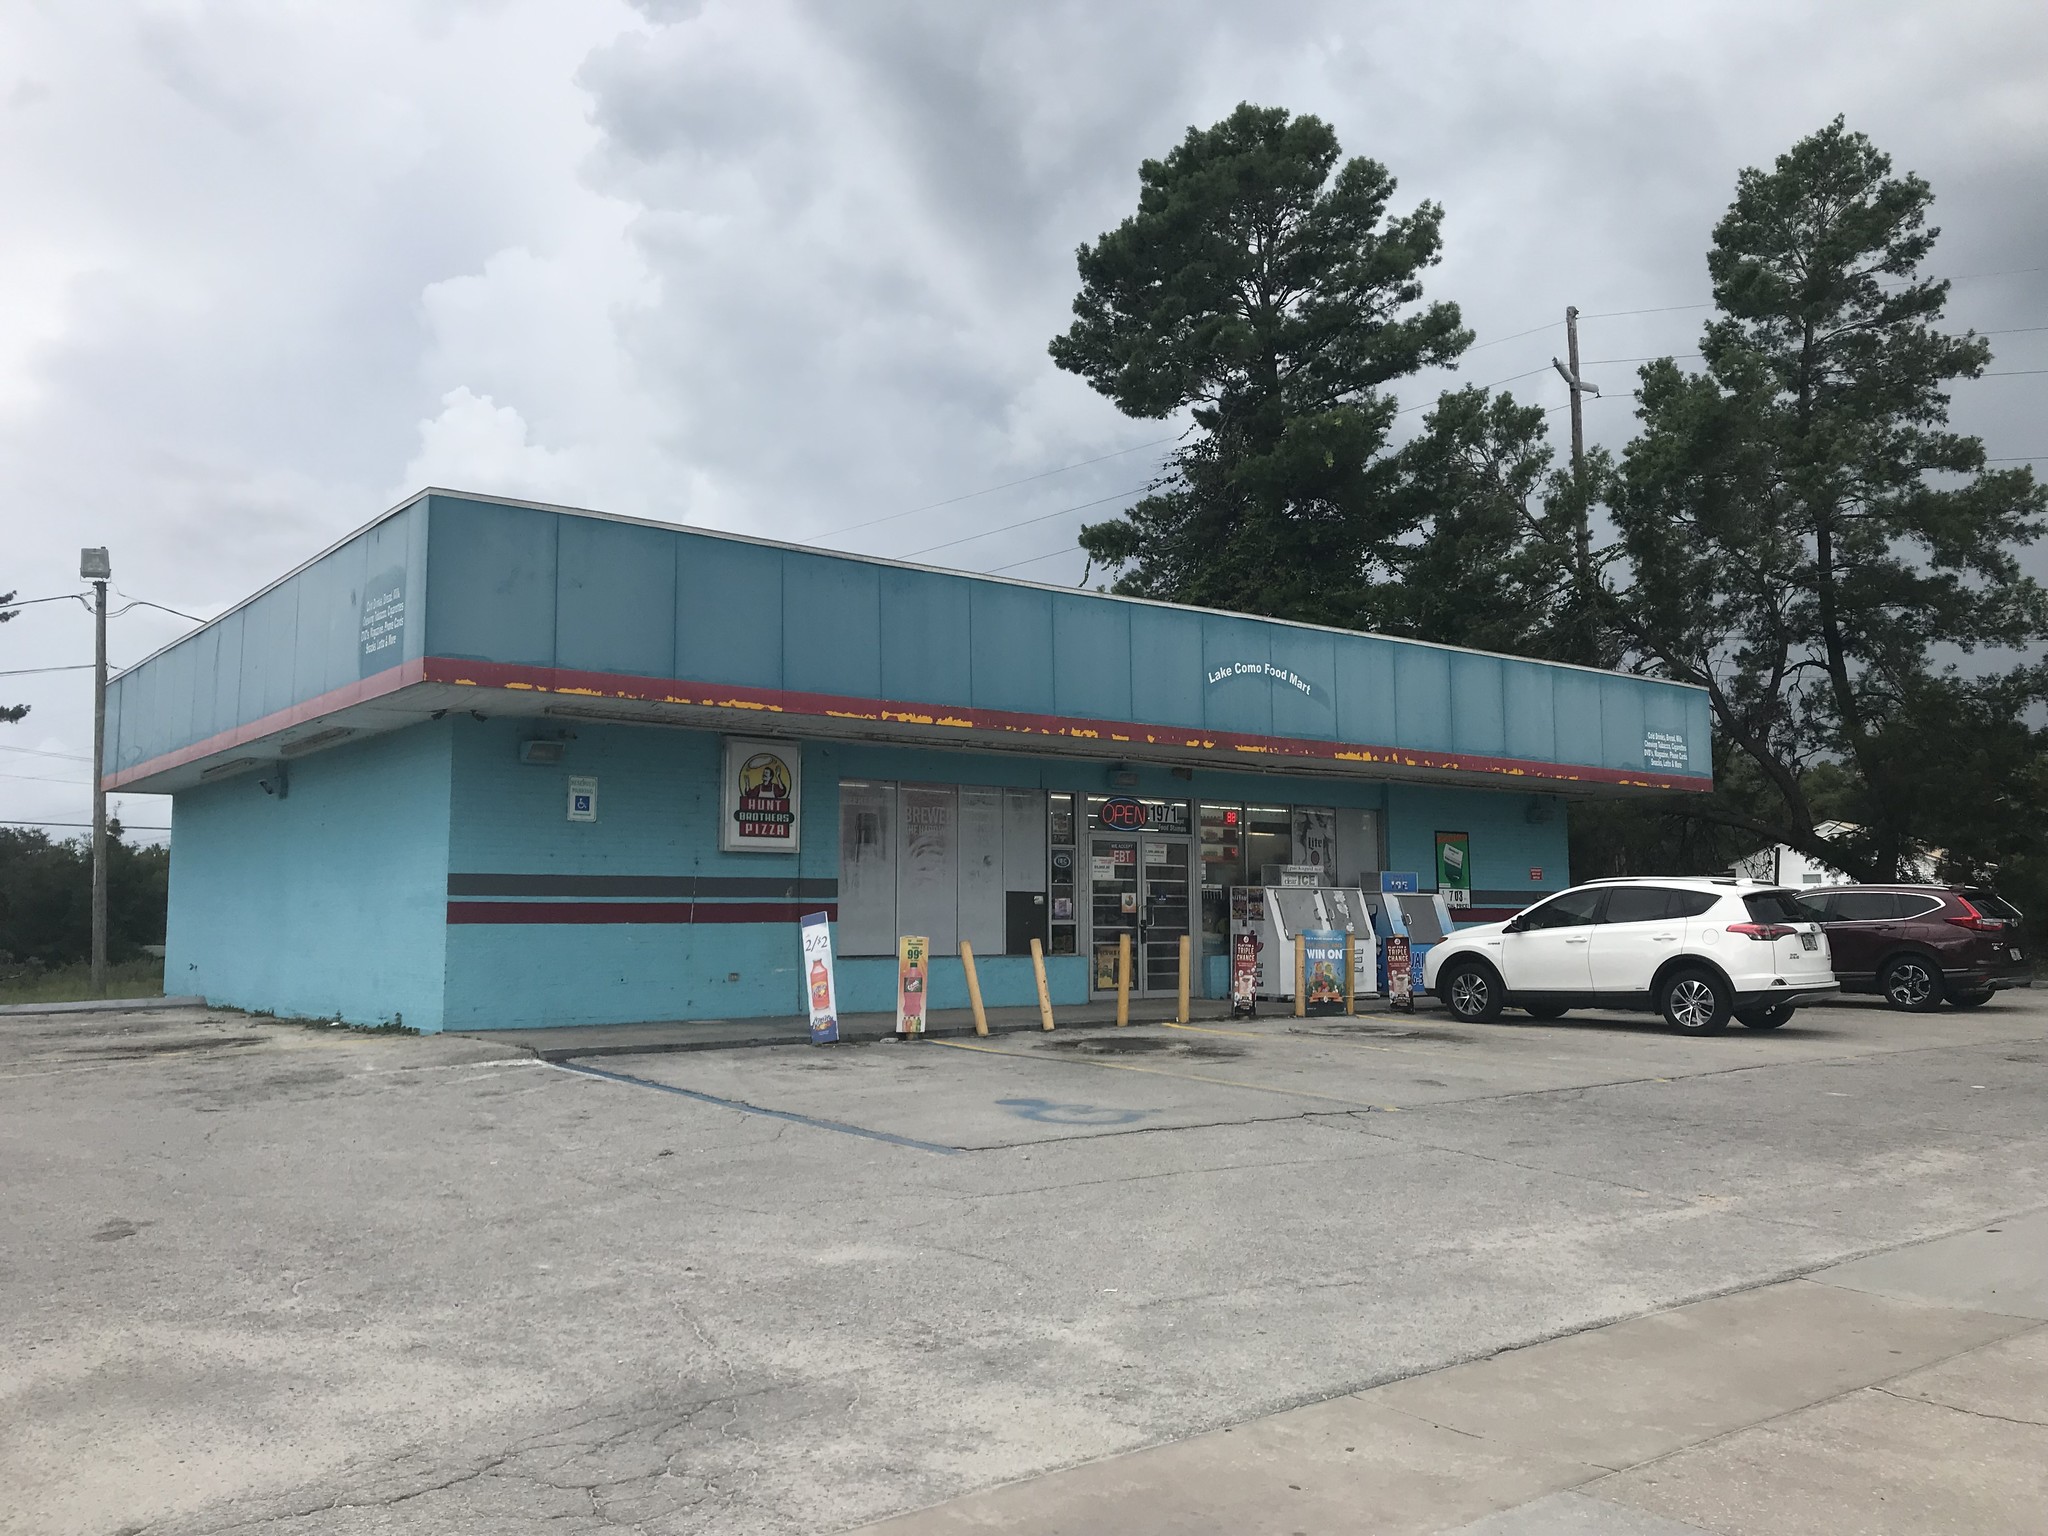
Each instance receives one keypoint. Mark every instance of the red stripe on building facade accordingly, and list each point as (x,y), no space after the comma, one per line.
(610,685)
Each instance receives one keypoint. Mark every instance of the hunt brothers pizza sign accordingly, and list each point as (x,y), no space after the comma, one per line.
(759,799)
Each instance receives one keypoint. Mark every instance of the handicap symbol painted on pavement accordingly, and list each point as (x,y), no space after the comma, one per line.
(1070,1114)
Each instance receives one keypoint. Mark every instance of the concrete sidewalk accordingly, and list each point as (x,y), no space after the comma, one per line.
(579,1041)
(1906,1392)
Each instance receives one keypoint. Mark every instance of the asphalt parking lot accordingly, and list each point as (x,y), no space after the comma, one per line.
(269,1277)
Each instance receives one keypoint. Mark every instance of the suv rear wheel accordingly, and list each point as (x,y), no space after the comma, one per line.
(1913,983)
(1471,991)
(1697,1001)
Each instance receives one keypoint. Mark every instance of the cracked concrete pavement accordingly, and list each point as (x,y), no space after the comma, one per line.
(274,1278)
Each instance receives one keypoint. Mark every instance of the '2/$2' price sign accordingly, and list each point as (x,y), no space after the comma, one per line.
(1454,868)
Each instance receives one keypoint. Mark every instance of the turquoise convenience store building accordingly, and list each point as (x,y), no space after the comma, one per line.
(492,764)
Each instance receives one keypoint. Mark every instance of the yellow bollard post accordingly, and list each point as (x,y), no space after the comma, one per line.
(973,987)
(1044,992)
(1187,944)
(1123,980)
(1300,977)
(1350,973)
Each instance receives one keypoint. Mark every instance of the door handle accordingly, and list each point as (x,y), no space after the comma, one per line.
(1664,938)
(1577,941)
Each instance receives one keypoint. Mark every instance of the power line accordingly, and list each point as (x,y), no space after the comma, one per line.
(1532,331)
(83,666)
(37,778)
(1420,404)
(72,757)
(992,489)
(26,602)
(1052,554)
(143,602)
(1668,309)
(1028,521)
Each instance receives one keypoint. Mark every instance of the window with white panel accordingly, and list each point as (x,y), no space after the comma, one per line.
(940,860)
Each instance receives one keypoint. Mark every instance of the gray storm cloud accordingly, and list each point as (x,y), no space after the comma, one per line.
(788,268)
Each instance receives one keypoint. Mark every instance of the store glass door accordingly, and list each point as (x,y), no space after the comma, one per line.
(1138,886)
(1112,904)
(1164,912)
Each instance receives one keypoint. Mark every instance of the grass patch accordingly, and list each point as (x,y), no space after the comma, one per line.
(72,983)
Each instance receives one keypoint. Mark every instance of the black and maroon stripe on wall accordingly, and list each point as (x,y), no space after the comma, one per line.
(625,899)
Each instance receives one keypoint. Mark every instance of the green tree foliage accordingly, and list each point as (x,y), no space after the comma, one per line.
(1493,559)
(9,713)
(46,896)
(1265,285)
(1805,537)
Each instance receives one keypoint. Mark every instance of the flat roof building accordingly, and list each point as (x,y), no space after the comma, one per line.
(487,764)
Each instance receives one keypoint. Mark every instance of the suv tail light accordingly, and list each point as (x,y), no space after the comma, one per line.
(1976,921)
(1765,931)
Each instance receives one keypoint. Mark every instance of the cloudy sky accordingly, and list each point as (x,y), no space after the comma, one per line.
(789,268)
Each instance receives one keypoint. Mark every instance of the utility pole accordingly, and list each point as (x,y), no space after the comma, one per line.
(95,567)
(1578,388)
(1582,512)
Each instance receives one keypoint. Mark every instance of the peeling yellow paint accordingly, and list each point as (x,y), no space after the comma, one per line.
(588,693)
(526,687)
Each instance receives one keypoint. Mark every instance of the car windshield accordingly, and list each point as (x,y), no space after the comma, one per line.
(1777,907)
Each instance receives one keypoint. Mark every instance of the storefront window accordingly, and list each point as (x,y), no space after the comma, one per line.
(939,860)
(1060,834)
(1269,839)
(1222,829)
(867,868)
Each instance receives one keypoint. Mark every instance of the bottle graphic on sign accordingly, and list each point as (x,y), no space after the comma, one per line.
(821,986)
(912,964)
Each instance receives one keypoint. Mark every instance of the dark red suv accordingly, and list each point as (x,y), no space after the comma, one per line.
(1919,945)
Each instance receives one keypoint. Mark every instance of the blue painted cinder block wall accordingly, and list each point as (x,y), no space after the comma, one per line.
(336,900)
(658,825)
(326,903)
(658,821)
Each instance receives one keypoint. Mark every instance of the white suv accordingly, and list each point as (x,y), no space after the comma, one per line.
(1699,951)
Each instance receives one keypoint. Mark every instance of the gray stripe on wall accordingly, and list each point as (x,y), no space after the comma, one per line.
(703,887)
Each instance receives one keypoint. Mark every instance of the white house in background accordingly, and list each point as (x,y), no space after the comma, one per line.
(1788,866)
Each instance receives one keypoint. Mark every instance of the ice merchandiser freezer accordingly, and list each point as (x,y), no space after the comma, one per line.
(1273,915)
